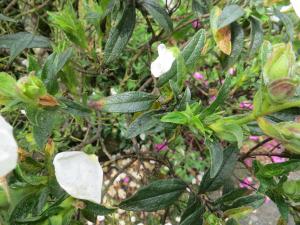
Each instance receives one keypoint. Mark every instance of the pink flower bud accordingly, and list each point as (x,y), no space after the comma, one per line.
(277,159)
(246,183)
(198,76)
(232,71)
(254,138)
(196,24)
(246,105)
(161,146)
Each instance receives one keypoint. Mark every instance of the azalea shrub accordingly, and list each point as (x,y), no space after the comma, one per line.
(188,109)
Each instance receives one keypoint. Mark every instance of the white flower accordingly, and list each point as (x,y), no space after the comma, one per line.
(79,174)
(296,5)
(8,148)
(164,61)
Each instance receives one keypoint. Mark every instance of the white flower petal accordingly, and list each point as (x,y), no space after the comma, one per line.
(79,174)
(8,148)
(163,62)
(296,5)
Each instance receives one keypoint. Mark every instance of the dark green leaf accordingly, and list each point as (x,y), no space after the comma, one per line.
(181,72)
(230,14)
(43,124)
(30,179)
(54,63)
(158,13)
(193,213)
(200,6)
(232,195)
(92,210)
(257,36)
(216,157)
(128,102)
(7,41)
(222,95)
(237,41)
(190,53)
(184,100)
(157,195)
(232,222)
(74,108)
(120,34)
(143,123)
(288,23)
(282,206)
(255,201)
(6,18)
(208,184)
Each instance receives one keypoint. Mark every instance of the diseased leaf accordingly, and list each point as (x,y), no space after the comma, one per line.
(120,34)
(221,36)
(128,102)
(157,195)
(158,13)
(237,44)
(230,14)
(257,36)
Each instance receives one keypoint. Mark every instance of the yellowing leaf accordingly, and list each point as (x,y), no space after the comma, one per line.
(221,36)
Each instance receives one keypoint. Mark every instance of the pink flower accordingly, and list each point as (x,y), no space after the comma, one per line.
(232,71)
(277,159)
(246,105)
(198,76)
(126,180)
(212,98)
(196,24)
(254,138)
(267,199)
(246,183)
(161,146)
(248,162)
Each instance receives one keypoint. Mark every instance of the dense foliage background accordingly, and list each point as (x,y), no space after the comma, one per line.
(208,141)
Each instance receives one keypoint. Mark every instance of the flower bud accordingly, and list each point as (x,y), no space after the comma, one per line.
(30,88)
(278,73)
(279,64)
(288,133)
(7,88)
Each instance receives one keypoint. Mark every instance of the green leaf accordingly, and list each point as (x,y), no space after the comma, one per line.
(175,117)
(222,95)
(54,63)
(6,18)
(237,41)
(9,40)
(190,53)
(282,206)
(200,6)
(92,210)
(230,14)
(254,201)
(193,213)
(232,221)
(216,157)
(128,102)
(7,86)
(186,99)
(158,13)
(157,195)
(208,184)
(143,123)
(43,124)
(181,72)
(278,169)
(288,23)
(31,179)
(257,35)
(120,34)
(235,131)
(229,197)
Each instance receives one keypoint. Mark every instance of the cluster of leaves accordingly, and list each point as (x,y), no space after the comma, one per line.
(104,47)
